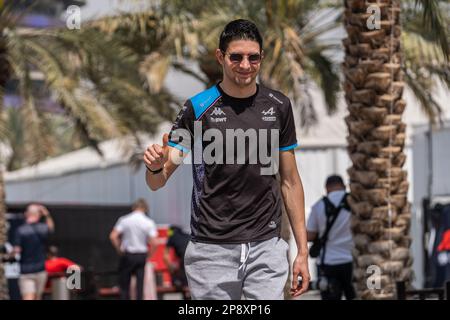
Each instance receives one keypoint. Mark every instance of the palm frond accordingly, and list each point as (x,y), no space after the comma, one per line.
(435,23)
(422,91)
(326,77)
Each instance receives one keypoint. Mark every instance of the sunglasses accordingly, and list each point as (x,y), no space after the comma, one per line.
(237,57)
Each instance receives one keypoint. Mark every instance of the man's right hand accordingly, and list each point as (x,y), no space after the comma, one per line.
(156,155)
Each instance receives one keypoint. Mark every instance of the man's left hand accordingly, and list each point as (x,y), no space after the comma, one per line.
(300,268)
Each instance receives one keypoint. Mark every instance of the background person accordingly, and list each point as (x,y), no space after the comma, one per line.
(131,237)
(336,271)
(30,243)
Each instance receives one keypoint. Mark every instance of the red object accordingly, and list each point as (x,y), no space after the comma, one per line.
(158,257)
(58,265)
(445,242)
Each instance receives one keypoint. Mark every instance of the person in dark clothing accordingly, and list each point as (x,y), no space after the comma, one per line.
(236,250)
(178,241)
(30,243)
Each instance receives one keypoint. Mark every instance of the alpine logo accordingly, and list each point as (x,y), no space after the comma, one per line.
(270,112)
(218,112)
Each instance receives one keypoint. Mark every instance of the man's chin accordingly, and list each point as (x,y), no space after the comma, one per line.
(243,82)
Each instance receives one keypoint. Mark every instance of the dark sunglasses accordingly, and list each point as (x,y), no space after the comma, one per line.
(237,57)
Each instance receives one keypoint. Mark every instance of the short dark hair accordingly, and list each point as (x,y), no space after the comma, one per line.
(239,30)
(334,180)
(140,203)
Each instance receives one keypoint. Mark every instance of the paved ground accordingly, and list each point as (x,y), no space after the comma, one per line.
(310,295)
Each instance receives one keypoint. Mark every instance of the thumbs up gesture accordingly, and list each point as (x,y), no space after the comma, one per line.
(156,155)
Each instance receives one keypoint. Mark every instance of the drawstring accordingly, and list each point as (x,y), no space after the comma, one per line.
(244,256)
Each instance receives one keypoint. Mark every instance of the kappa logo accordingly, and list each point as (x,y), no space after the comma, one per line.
(218,112)
(270,112)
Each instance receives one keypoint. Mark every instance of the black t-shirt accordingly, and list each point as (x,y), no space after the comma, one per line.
(31,238)
(236,197)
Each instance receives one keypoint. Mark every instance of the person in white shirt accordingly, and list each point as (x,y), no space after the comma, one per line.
(133,237)
(335,261)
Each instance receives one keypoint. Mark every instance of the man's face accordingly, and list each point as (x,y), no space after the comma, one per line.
(244,72)
(32,214)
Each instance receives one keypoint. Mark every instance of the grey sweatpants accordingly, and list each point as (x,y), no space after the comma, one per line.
(254,271)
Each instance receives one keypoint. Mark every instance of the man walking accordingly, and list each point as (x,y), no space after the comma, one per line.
(236,250)
(330,218)
(30,243)
(132,236)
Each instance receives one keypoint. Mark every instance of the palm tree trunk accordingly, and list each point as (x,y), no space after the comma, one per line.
(4,75)
(373,91)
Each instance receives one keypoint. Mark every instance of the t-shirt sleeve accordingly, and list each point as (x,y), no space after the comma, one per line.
(119,226)
(67,263)
(153,231)
(17,239)
(288,136)
(312,224)
(182,133)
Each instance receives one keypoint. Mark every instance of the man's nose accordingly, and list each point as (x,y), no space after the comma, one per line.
(245,64)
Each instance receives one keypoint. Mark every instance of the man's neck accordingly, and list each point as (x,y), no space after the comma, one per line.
(238,92)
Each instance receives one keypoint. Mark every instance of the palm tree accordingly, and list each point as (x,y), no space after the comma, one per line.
(60,130)
(94,79)
(376,68)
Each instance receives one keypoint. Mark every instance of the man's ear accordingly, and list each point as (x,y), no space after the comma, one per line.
(219,56)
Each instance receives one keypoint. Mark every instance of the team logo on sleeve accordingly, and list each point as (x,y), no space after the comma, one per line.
(275,98)
(268,115)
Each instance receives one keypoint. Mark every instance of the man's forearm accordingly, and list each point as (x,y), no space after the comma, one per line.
(156,181)
(50,223)
(292,191)
(116,244)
